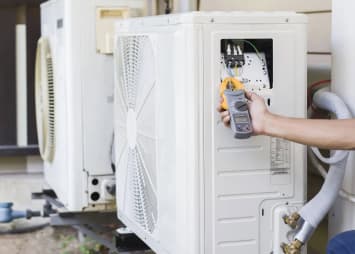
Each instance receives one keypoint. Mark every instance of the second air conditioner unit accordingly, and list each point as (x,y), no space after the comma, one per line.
(74,98)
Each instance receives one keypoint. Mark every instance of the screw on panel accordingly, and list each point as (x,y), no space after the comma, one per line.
(287,20)
(212,20)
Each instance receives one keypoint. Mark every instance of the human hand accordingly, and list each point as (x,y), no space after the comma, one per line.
(258,113)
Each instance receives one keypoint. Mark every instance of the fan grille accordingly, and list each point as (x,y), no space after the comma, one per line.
(45,100)
(144,214)
(51,100)
(140,197)
(130,48)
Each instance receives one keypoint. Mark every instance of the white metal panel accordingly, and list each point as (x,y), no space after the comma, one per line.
(240,185)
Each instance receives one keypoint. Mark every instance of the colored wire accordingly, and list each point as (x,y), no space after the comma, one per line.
(314,86)
(230,72)
(254,47)
(318,83)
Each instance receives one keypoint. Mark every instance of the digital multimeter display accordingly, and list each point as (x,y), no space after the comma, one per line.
(241,118)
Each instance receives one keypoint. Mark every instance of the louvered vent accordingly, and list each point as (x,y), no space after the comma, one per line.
(45,100)
(135,96)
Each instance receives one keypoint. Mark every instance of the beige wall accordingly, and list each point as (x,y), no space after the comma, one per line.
(266,5)
(319,32)
(17,188)
(21,165)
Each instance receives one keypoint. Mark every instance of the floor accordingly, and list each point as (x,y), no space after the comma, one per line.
(65,240)
(48,240)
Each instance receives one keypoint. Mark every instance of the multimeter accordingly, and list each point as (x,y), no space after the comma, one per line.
(235,101)
(239,113)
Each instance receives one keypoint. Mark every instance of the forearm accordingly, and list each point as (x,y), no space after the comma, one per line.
(329,134)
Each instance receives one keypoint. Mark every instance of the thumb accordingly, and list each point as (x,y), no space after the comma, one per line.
(249,95)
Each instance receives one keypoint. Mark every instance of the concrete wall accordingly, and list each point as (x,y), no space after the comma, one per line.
(17,188)
(20,165)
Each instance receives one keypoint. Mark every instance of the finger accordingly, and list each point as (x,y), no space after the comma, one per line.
(251,96)
(224,114)
(248,95)
(228,124)
(220,109)
(226,120)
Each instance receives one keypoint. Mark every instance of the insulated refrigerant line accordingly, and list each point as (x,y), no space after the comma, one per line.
(315,210)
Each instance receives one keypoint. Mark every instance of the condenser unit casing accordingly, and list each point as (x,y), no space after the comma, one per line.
(74,98)
(184,183)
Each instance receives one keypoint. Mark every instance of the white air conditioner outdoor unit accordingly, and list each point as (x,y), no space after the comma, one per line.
(74,98)
(184,183)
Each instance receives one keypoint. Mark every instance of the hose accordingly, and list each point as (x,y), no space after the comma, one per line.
(323,172)
(24,230)
(315,162)
(316,209)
